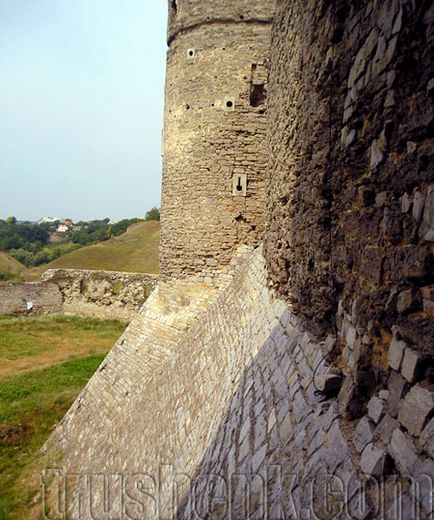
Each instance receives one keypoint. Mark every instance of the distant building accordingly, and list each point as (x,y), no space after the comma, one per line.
(62,228)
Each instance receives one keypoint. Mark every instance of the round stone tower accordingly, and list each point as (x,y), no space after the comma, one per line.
(215,151)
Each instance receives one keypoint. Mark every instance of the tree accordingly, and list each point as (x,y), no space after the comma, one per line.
(153,214)
(11,220)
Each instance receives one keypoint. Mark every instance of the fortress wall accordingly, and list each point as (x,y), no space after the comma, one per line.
(211,148)
(101,294)
(30,298)
(187,14)
(208,406)
(351,188)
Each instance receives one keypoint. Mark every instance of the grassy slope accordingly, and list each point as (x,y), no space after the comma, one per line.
(134,251)
(9,265)
(31,403)
(31,343)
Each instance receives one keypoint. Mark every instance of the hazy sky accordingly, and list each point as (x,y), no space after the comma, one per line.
(81,103)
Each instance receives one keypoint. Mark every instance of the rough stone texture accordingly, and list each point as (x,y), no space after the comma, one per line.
(214,385)
(373,460)
(416,409)
(101,294)
(348,218)
(376,409)
(241,403)
(396,353)
(218,54)
(30,298)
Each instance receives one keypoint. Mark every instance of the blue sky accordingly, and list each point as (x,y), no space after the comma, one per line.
(81,107)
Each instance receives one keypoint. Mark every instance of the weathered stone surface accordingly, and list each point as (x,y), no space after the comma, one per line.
(397,388)
(396,353)
(373,460)
(416,409)
(411,365)
(376,409)
(101,294)
(403,452)
(351,401)
(214,135)
(22,299)
(217,368)
(426,440)
(385,429)
(363,434)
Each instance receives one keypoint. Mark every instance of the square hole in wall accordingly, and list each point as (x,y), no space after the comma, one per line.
(239,185)
(229,104)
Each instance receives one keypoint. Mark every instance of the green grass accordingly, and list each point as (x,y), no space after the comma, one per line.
(23,337)
(34,401)
(30,405)
(134,251)
(9,267)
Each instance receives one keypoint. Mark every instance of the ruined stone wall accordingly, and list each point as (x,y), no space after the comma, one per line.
(351,188)
(101,294)
(79,292)
(214,134)
(20,299)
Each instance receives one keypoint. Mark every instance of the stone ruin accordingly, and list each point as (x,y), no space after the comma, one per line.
(283,366)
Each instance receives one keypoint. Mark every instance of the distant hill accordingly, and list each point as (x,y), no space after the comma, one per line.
(9,266)
(134,251)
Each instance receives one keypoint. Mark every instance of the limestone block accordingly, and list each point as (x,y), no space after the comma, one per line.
(397,387)
(396,353)
(403,452)
(426,439)
(385,429)
(376,409)
(373,460)
(411,365)
(350,399)
(416,409)
(363,434)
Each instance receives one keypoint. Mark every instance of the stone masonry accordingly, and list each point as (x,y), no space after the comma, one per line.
(21,299)
(101,294)
(79,292)
(214,155)
(293,379)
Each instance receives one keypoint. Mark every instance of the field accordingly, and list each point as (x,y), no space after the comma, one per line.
(134,251)
(45,362)
(9,266)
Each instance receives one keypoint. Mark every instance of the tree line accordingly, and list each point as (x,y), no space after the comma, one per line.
(31,244)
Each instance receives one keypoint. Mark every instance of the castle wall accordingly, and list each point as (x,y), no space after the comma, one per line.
(209,405)
(351,194)
(101,294)
(214,136)
(21,299)
(79,292)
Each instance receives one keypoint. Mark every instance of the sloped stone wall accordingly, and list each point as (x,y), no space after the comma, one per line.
(209,407)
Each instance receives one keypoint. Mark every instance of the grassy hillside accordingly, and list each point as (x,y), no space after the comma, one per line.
(9,266)
(134,251)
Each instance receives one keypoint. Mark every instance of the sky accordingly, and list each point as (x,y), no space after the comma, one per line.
(81,107)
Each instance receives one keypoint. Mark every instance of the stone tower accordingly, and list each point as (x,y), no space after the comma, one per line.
(215,149)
